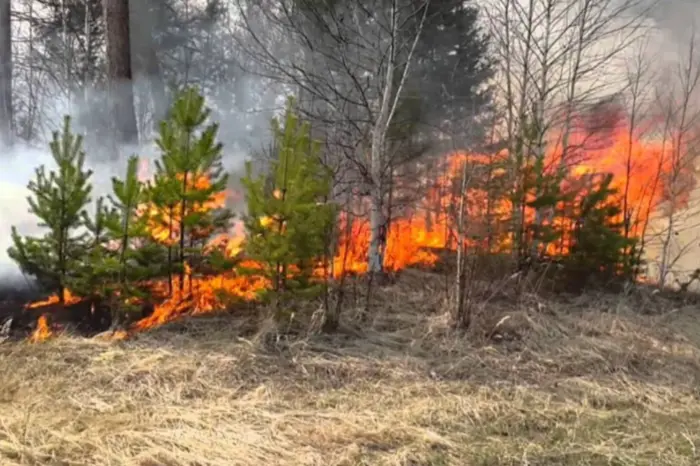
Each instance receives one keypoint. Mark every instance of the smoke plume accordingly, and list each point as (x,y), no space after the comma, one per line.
(241,132)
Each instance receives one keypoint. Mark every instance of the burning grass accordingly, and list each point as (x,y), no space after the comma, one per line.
(566,385)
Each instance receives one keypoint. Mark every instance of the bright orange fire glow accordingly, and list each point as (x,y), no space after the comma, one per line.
(415,236)
(643,180)
(42,331)
(164,224)
(206,294)
(68,299)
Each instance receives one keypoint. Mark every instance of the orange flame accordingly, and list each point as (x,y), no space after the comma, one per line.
(42,331)
(164,224)
(68,298)
(414,236)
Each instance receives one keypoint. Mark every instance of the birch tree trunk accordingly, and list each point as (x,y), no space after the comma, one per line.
(379,163)
(460,314)
(377,215)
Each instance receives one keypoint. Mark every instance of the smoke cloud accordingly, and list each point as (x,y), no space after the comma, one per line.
(241,132)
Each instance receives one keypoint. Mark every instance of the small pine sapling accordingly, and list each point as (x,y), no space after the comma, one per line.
(163,200)
(128,231)
(94,274)
(124,222)
(597,253)
(190,181)
(58,200)
(287,222)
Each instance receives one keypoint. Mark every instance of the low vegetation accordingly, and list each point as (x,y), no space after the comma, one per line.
(421,369)
(166,238)
(538,383)
(441,259)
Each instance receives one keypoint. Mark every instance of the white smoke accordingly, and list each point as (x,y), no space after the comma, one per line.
(20,161)
(18,168)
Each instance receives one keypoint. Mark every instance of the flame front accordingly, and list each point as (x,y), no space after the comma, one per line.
(205,294)
(415,234)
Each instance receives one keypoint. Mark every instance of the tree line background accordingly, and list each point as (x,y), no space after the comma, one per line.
(536,136)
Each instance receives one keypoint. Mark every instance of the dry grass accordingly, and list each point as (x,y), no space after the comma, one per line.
(579,387)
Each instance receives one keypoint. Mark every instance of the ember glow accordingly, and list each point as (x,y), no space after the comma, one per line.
(415,235)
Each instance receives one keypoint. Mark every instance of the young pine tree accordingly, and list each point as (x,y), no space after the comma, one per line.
(190,182)
(133,257)
(286,220)
(536,191)
(58,200)
(93,274)
(597,253)
(163,196)
(126,225)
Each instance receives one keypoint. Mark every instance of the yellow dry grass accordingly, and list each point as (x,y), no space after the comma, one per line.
(580,387)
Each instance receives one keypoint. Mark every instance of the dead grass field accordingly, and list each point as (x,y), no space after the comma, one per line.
(581,387)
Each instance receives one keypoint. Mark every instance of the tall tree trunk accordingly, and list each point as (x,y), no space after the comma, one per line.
(460,312)
(27,130)
(116,13)
(87,71)
(144,58)
(377,216)
(541,144)
(379,161)
(5,72)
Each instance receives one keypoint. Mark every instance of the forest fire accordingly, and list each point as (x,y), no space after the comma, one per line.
(638,168)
